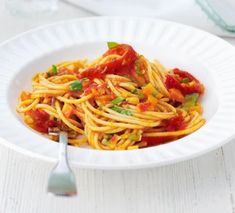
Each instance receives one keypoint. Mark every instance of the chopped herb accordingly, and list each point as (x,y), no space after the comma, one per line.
(118,100)
(76,85)
(105,141)
(154,94)
(107,137)
(135,91)
(112,44)
(192,98)
(138,92)
(190,101)
(141,95)
(121,110)
(54,70)
(185,80)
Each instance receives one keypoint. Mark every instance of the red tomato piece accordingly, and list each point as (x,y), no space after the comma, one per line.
(175,123)
(41,120)
(52,123)
(172,82)
(40,127)
(125,50)
(195,88)
(142,107)
(184,74)
(127,59)
(153,141)
(39,115)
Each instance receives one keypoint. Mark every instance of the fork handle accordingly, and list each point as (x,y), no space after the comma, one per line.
(63,158)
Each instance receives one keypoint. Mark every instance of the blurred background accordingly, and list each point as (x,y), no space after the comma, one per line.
(215,16)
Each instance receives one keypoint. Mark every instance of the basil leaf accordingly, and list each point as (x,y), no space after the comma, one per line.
(54,70)
(154,94)
(105,141)
(112,44)
(75,86)
(190,101)
(118,100)
(121,110)
(185,80)
(138,92)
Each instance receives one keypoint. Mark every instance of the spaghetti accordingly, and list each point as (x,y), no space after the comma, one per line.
(119,101)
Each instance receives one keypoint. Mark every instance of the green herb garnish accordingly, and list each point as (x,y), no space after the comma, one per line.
(75,86)
(117,100)
(138,92)
(190,101)
(105,141)
(121,110)
(185,80)
(135,91)
(54,70)
(112,44)
(154,94)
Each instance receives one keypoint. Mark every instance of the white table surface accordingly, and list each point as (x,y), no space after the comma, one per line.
(205,184)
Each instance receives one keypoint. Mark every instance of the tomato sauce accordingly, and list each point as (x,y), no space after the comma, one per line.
(174,81)
(121,65)
(41,120)
(174,124)
(153,141)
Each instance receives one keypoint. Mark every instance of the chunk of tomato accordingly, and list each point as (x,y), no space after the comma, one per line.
(175,123)
(146,106)
(125,62)
(192,87)
(41,120)
(153,141)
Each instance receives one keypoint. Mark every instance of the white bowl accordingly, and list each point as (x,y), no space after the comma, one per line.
(208,57)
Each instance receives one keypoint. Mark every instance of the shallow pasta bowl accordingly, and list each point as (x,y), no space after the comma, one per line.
(208,57)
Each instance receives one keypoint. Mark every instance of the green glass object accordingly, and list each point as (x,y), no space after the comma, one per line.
(220,12)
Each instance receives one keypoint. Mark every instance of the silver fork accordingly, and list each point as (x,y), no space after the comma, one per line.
(62,180)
